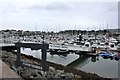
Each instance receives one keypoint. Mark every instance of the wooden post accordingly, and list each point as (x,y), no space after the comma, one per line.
(18,56)
(43,63)
(33,46)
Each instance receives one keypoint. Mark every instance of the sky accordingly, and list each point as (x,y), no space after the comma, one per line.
(58,15)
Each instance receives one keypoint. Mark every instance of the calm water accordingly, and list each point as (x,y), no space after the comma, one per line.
(103,67)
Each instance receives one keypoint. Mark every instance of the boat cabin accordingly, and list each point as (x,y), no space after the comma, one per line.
(87,44)
(112,45)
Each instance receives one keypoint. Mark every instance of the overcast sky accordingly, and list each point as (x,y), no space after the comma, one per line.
(55,15)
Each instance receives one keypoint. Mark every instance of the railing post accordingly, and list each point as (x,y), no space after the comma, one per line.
(43,63)
(18,63)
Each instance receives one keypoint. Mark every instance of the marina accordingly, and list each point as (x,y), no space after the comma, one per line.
(93,55)
(90,55)
(64,40)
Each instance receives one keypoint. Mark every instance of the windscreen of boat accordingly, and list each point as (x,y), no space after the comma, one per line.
(112,45)
(87,45)
(102,44)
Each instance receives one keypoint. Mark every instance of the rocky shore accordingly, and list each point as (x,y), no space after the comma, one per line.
(56,71)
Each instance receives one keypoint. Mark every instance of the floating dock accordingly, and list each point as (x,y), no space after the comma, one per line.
(7,47)
(70,48)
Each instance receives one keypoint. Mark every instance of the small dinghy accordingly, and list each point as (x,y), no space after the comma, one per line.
(111,55)
(104,54)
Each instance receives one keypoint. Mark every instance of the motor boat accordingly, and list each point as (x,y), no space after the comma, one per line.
(112,46)
(118,47)
(103,46)
(87,44)
(104,54)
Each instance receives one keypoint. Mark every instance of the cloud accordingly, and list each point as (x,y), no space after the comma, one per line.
(9,9)
(50,7)
(63,13)
(113,6)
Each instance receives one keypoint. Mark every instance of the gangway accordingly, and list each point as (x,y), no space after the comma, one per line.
(81,61)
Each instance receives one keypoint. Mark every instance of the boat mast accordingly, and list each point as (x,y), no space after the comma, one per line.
(36,30)
(108,37)
(107,32)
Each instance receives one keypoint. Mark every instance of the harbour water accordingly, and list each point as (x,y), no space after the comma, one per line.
(102,67)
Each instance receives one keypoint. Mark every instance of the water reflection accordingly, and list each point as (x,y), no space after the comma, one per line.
(81,61)
(98,65)
(62,59)
(94,59)
(103,67)
(61,55)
